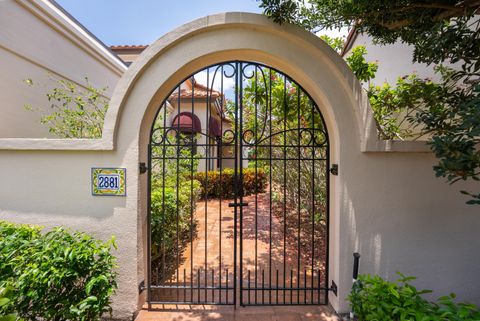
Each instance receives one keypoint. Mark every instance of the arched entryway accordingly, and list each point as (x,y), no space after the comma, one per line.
(238,192)
(239,37)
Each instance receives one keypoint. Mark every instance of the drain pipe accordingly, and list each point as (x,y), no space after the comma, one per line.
(356,260)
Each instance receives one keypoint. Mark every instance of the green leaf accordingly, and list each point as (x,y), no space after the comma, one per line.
(9,317)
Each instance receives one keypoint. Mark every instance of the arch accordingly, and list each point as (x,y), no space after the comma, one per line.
(248,37)
(330,72)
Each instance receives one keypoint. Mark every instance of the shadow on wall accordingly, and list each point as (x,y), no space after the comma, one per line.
(420,225)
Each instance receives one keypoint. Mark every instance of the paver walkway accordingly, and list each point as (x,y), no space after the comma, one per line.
(209,259)
(219,313)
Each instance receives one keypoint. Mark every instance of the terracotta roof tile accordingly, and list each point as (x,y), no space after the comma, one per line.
(199,91)
(128,47)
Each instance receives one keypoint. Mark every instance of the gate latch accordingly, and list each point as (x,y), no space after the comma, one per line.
(237,204)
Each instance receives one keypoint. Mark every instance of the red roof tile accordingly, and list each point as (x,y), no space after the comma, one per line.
(199,91)
(128,47)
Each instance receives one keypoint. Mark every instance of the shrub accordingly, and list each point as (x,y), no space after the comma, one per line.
(166,212)
(6,309)
(74,111)
(58,275)
(215,184)
(373,298)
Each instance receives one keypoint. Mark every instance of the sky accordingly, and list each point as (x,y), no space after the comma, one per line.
(141,22)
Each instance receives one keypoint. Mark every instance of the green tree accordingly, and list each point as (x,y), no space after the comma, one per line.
(335,42)
(278,113)
(365,71)
(75,111)
(441,32)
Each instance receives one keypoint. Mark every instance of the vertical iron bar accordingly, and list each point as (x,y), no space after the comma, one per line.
(220,150)
(207,168)
(227,289)
(162,243)
(270,186)
(235,187)
(248,286)
(240,169)
(198,285)
(149,229)
(312,125)
(305,286)
(284,183)
(327,214)
(256,178)
(319,285)
(184,285)
(192,79)
(263,286)
(299,254)
(291,286)
(213,285)
(177,151)
(277,286)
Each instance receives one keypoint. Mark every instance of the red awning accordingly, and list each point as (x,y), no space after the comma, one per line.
(187,122)
(214,127)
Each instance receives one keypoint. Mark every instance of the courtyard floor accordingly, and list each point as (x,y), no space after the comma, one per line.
(225,313)
(269,257)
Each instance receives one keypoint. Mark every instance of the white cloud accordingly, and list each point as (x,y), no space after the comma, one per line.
(228,83)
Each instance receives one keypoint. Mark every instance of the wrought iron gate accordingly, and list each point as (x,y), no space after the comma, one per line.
(238,191)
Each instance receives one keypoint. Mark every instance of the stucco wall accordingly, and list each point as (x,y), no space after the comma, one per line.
(394,60)
(38,42)
(385,202)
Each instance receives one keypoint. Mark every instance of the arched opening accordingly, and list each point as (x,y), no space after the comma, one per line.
(238,192)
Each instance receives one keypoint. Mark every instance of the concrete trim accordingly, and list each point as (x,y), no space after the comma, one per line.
(53,144)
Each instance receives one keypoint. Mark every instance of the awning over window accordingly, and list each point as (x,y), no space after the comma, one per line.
(187,122)
(215,128)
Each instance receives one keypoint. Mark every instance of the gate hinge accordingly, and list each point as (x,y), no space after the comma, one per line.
(333,288)
(334,169)
(141,287)
(142,167)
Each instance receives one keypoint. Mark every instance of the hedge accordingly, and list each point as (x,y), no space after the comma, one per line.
(172,222)
(215,184)
(57,275)
(375,299)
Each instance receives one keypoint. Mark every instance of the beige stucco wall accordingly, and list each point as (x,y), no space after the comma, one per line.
(394,60)
(39,42)
(385,202)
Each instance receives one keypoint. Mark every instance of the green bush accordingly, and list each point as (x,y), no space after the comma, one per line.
(57,275)
(375,299)
(215,184)
(166,212)
(6,308)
